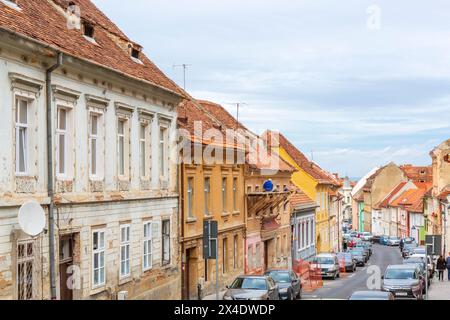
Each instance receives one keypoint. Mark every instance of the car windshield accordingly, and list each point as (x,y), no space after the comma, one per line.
(324,260)
(356,253)
(419,250)
(249,284)
(398,274)
(344,256)
(415,260)
(281,277)
(361,249)
(394,238)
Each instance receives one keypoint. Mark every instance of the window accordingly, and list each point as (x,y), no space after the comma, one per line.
(308,235)
(121,146)
(163,152)
(93,142)
(207,196)
(235,186)
(125,251)
(98,257)
(22,125)
(142,149)
(61,133)
(224,255)
(235,252)
(135,53)
(190,197)
(166,242)
(25,269)
(147,256)
(88,30)
(224,194)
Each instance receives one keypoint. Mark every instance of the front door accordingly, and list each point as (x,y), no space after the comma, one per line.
(66,245)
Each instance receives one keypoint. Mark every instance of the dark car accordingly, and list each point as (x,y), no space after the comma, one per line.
(252,288)
(408,249)
(372,295)
(384,240)
(364,251)
(366,245)
(359,258)
(289,284)
(376,239)
(346,262)
(404,281)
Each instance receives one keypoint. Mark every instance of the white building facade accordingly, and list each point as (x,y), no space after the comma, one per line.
(115,179)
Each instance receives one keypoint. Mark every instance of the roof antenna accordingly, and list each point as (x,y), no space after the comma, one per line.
(312,155)
(184,66)
(238,106)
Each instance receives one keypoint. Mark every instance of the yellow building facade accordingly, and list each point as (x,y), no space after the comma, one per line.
(315,183)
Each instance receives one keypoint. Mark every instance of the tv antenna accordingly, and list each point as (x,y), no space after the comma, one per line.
(184,66)
(238,107)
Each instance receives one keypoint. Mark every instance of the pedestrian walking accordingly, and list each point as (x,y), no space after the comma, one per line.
(448,266)
(441,265)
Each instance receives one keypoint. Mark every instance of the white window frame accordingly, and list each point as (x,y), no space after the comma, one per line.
(147,242)
(224,194)
(24,260)
(61,132)
(94,137)
(163,150)
(207,195)
(125,244)
(143,150)
(18,127)
(99,251)
(235,194)
(163,246)
(190,196)
(121,138)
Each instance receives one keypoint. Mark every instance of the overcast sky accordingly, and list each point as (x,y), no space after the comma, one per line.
(354,85)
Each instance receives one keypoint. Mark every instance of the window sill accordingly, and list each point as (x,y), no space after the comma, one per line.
(236,213)
(225,214)
(191,220)
(125,280)
(208,216)
(97,290)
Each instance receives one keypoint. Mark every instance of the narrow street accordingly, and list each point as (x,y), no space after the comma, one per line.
(348,283)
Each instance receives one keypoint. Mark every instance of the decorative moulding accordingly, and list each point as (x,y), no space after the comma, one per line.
(124,109)
(98,102)
(22,82)
(65,94)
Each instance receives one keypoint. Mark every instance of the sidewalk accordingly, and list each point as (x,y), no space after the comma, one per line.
(440,290)
(213,296)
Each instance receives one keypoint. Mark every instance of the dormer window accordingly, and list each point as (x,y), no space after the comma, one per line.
(88,30)
(11,3)
(135,53)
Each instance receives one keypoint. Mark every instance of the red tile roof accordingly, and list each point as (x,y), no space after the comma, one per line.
(411,200)
(223,115)
(385,202)
(300,159)
(45,22)
(301,200)
(418,173)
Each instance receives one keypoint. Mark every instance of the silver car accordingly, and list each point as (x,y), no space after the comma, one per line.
(404,281)
(393,241)
(252,288)
(327,264)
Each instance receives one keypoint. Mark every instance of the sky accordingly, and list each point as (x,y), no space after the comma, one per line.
(353,84)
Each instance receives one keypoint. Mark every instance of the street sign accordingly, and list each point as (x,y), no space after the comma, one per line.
(210,234)
(433,245)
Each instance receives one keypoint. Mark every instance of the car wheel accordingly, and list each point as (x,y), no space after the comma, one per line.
(299,295)
(338,274)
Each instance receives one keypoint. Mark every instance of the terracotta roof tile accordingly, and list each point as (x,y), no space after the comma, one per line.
(300,199)
(45,22)
(411,200)
(418,173)
(385,202)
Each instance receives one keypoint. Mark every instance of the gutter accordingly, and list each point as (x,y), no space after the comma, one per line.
(50,177)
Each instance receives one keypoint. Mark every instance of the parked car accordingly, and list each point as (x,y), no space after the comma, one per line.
(252,288)
(384,240)
(393,241)
(366,236)
(366,245)
(406,241)
(359,258)
(354,234)
(408,249)
(423,269)
(403,281)
(346,262)
(328,265)
(372,295)
(376,239)
(289,284)
(420,250)
(430,263)
(364,251)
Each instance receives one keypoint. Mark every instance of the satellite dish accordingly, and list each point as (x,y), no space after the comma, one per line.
(268,186)
(32,218)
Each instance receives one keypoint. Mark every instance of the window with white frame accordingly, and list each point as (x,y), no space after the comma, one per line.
(224,194)
(143,149)
(165,230)
(22,135)
(98,258)
(125,251)
(25,270)
(121,146)
(207,186)
(148,250)
(95,143)
(190,197)
(61,141)
(235,190)
(163,150)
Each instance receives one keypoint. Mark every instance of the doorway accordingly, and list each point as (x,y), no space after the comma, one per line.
(66,262)
(191,274)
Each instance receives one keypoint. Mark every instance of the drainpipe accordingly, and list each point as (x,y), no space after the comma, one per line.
(50,187)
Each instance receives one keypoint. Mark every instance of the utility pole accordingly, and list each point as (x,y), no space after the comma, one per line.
(184,66)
